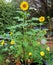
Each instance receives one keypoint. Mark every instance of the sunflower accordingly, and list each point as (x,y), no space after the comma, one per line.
(41,19)
(30,53)
(42,53)
(2,43)
(12,42)
(24,5)
(10,33)
(48,48)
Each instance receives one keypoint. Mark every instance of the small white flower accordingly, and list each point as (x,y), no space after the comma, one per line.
(7,61)
(43,41)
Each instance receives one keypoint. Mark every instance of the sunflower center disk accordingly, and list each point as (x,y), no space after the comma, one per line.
(24,5)
(41,18)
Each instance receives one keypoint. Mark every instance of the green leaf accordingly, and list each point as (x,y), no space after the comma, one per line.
(34,19)
(18,33)
(16,18)
(29,33)
(20,19)
(11,47)
(41,23)
(5,49)
(25,43)
(1,58)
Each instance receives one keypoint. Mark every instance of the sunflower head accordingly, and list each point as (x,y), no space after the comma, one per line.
(41,19)
(24,5)
(48,48)
(42,53)
(2,43)
(12,42)
(30,54)
(10,33)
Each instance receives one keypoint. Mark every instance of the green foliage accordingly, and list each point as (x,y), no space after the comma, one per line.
(1,59)
(25,38)
(7,12)
(28,39)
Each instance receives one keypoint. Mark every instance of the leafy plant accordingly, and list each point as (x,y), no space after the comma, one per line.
(23,41)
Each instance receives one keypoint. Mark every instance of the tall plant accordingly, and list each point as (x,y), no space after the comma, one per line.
(28,40)
(25,41)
